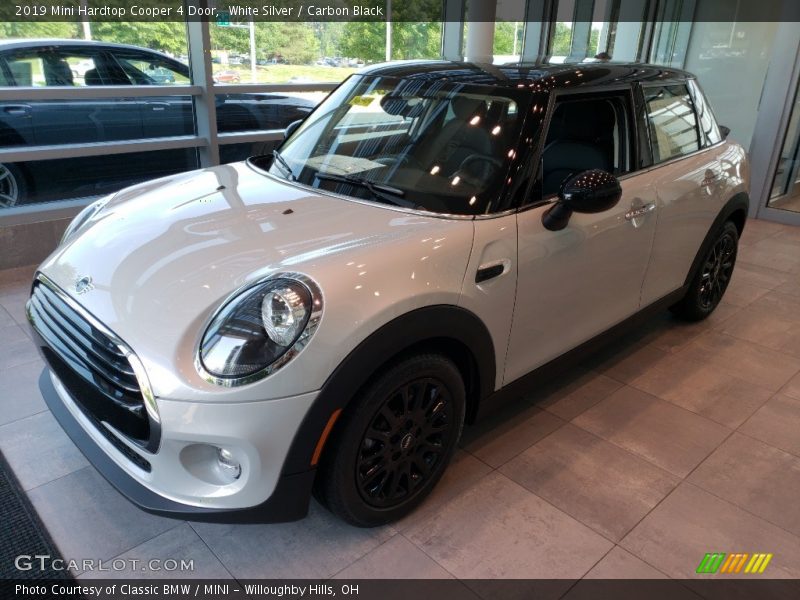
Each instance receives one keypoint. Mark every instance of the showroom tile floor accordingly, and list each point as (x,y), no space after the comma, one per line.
(676,441)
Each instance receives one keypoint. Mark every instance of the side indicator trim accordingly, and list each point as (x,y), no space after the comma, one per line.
(323,438)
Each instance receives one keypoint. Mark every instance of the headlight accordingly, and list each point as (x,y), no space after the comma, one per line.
(260,330)
(82,217)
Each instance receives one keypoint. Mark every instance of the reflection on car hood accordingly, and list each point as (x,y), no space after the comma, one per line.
(180,245)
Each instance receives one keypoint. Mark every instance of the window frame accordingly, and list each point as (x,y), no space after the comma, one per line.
(624,91)
(647,123)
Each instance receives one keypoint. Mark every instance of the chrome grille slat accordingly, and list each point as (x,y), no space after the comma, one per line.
(93,363)
(77,351)
(119,363)
(77,321)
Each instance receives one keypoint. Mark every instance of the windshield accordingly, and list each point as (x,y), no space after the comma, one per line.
(435,146)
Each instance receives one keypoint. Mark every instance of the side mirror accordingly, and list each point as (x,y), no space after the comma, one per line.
(590,191)
(291,128)
(724,131)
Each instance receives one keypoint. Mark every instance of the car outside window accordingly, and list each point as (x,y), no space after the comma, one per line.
(672,122)
(27,70)
(143,69)
(432,145)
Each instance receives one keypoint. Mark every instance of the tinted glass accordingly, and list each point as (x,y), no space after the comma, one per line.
(151,69)
(672,122)
(709,132)
(439,146)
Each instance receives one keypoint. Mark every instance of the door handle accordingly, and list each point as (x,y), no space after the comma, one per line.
(158,106)
(640,211)
(492,269)
(17,109)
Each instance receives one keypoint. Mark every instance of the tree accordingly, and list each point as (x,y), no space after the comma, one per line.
(165,36)
(23,29)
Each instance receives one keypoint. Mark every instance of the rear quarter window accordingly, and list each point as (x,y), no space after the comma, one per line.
(672,122)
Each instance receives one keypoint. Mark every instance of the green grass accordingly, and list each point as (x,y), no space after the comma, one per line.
(285,73)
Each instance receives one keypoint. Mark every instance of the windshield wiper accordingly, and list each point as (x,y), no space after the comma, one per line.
(282,162)
(379,191)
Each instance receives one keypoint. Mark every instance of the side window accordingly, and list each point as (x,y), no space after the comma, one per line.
(144,69)
(586,132)
(672,122)
(27,69)
(709,132)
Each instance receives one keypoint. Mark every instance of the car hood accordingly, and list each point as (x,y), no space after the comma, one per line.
(164,255)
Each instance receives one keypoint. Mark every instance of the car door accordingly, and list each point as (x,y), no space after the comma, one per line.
(161,115)
(575,283)
(688,174)
(77,121)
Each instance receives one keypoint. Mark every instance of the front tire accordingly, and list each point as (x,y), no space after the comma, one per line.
(394,443)
(712,278)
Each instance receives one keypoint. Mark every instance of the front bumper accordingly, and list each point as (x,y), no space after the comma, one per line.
(281,497)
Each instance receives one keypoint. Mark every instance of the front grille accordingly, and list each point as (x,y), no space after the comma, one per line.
(92,366)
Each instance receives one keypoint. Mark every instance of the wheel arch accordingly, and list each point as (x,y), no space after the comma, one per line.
(734,210)
(449,330)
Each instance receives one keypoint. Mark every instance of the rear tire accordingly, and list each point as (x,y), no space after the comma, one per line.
(394,442)
(712,278)
(13,185)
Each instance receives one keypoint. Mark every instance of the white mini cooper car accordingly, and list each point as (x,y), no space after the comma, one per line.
(434,238)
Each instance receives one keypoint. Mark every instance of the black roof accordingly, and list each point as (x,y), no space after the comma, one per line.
(548,75)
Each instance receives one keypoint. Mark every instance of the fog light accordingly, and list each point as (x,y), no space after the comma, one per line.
(228,465)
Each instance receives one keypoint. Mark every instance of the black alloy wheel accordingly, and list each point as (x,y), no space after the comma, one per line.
(405,441)
(712,277)
(393,441)
(716,272)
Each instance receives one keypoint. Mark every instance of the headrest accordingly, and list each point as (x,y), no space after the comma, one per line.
(410,107)
(465,108)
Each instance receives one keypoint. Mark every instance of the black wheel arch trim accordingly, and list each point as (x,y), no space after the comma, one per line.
(421,326)
(739,202)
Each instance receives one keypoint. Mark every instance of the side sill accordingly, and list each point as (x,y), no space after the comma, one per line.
(527,383)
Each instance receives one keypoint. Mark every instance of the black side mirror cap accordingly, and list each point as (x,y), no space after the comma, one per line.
(291,128)
(724,131)
(591,191)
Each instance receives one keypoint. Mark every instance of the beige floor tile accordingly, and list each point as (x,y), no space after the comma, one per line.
(704,389)
(598,483)
(16,348)
(318,546)
(749,361)
(779,304)
(38,450)
(792,387)
(743,294)
(20,395)
(87,518)
(762,326)
(628,363)
(568,399)
(621,564)
(396,559)
(178,544)
(463,472)
(500,437)
(498,529)
(757,275)
(771,489)
(690,522)
(670,437)
(756,230)
(777,423)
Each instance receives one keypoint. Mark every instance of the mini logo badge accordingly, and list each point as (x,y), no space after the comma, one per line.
(83,284)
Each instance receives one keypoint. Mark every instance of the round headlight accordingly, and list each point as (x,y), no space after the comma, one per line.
(258,328)
(284,313)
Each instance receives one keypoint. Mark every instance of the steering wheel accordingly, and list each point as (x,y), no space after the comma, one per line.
(481,174)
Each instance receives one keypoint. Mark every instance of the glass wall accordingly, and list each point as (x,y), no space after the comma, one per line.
(785,192)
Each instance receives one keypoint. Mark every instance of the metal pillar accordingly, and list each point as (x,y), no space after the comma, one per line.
(480,31)
(205,109)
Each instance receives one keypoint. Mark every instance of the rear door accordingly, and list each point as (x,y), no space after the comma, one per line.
(577,282)
(685,144)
